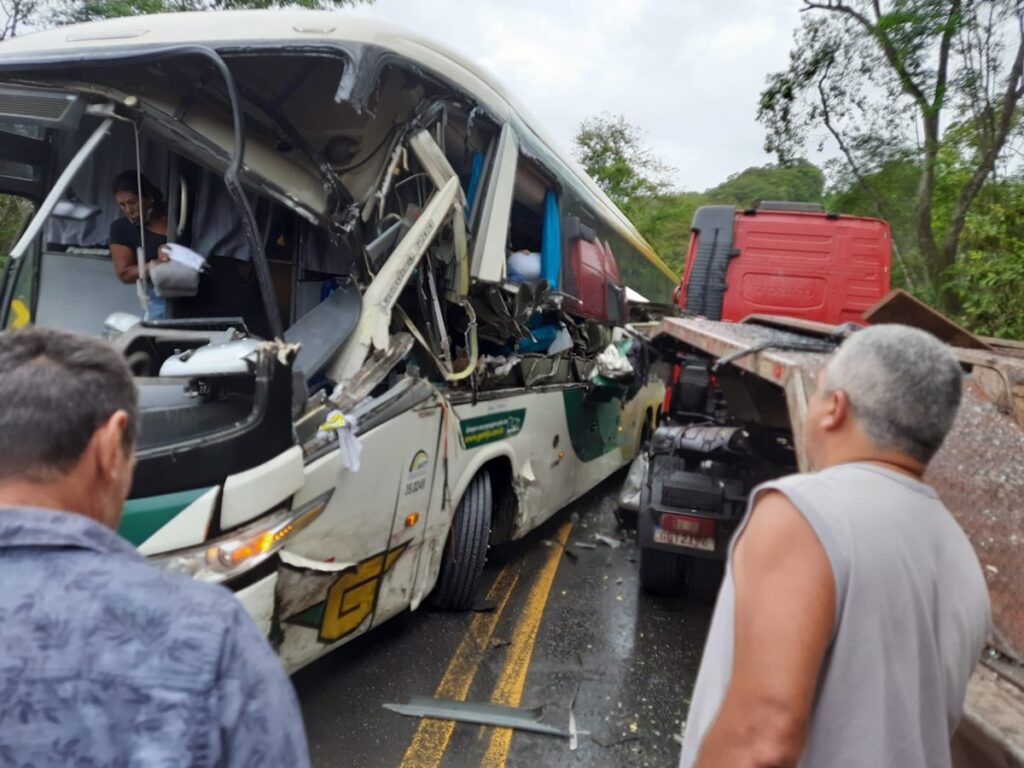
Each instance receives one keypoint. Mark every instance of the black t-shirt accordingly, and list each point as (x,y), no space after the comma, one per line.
(124,232)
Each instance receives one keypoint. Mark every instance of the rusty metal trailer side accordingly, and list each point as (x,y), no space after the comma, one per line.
(979,474)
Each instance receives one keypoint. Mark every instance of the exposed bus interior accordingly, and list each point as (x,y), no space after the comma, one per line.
(368,190)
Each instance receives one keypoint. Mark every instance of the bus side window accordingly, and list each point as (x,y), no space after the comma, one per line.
(534,236)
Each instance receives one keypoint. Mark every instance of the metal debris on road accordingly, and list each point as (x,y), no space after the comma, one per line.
(478,714)
(608,540)
(574,741)
(584,545)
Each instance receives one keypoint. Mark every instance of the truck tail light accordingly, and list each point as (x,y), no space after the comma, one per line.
(690,525)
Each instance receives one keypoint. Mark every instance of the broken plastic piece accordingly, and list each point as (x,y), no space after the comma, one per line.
(480,714)
(380,297)
(349,448)
(613,364)
(497,365)
(608,540)
(372,373)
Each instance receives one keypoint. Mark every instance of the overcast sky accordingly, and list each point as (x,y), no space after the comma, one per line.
(687,72)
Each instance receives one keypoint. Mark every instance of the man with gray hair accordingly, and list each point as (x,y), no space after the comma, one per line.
(104,659)
(853,609)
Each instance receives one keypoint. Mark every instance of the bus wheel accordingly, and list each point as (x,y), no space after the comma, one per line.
(466,548)
(662,573)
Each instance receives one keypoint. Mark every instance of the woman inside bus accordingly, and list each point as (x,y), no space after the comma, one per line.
(151,209)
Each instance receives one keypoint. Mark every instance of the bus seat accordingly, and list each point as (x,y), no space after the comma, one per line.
(324,329)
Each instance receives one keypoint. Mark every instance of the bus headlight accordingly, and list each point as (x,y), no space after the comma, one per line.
(235,553)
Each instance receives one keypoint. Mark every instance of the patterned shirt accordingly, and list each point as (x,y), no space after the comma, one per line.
(108,661)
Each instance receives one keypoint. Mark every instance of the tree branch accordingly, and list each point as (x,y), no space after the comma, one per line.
(891,54)
(876,199)
(943,66)
(1011,97)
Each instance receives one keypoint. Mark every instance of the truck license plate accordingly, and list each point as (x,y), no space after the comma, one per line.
(706,543)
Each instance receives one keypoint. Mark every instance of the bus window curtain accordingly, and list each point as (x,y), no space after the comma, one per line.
(474,182)
(551,242)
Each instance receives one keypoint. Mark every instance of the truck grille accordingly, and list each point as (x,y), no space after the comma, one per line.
(691,498)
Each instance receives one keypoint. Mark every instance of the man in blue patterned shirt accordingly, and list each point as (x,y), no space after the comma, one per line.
(105,660)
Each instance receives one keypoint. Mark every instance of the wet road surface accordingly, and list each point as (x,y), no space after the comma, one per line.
(550,629)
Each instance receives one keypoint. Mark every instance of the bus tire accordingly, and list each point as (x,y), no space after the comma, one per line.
(465,550)
(662,573)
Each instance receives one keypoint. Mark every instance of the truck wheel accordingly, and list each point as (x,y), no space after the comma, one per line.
(466,548)
(662,573)
(703,579)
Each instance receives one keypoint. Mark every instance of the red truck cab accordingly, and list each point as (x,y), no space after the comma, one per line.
(789,259)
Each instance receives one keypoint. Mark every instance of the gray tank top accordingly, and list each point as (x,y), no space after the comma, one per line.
(912,616)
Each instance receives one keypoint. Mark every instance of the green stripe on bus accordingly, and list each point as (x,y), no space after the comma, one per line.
(144,517)
(593,424)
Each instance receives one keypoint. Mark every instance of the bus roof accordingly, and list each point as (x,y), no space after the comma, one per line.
(263,28)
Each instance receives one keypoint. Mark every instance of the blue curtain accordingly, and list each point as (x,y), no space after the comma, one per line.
(551,241)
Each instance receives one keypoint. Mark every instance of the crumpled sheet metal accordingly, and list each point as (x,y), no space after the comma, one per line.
(979,474)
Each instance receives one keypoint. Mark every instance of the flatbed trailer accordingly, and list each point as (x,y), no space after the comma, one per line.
(979,474)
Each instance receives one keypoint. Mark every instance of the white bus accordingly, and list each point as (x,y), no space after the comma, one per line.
(393,327)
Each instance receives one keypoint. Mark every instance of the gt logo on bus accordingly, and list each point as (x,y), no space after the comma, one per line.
(352,598)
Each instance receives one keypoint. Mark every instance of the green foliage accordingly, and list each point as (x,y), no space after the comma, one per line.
(799,181)
(664,221)
(989,275)
(927,84)
(14,213)
(611,150)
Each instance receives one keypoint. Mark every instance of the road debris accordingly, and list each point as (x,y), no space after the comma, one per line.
(608,540)
(477,713)
(584,545)
(574,741)
(568,552)
(612,740)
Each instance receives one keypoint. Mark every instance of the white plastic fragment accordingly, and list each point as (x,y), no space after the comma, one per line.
(612,364)
(350,449)
(562,342)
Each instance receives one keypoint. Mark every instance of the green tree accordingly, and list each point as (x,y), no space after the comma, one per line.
(884,79)
(612,151)
(799,181)
(664,221)
(989,275)
(14,213)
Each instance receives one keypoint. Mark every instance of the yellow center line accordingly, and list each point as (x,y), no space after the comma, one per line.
(432,736)
(509,688)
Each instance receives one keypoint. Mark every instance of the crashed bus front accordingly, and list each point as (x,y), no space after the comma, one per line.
(404,320)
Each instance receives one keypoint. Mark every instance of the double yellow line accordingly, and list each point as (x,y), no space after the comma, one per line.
(432,736)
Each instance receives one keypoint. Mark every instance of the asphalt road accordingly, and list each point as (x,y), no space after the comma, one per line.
(551,629)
